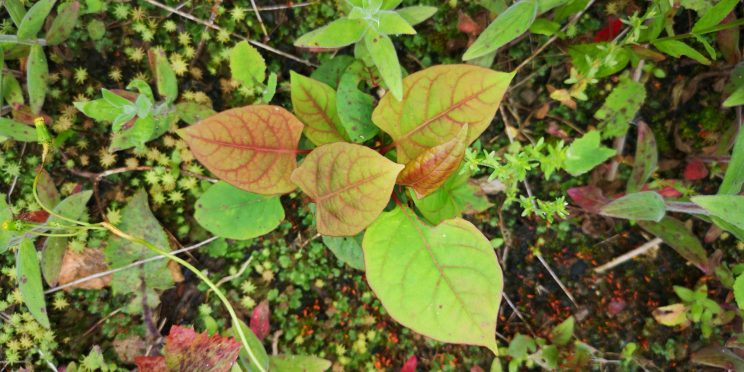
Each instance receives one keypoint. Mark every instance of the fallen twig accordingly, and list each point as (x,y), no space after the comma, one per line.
(643,249)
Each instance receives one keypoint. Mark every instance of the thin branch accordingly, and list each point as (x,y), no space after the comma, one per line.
(288,6)
(557,280)
(260,20)
(643,249)
(127,267)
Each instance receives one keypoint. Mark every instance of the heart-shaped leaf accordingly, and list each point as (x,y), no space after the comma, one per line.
(436,103)
(351,185)
(443,282)
(253,147)
(314,103)
(232,213)
(432,167)
(643,206)
(29,281)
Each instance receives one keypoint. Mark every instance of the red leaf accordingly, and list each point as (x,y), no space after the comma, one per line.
(260,320)
(589,198)
(610,31)
(467,25)
(695,170)
(36,216)
(198,351)
(410,365)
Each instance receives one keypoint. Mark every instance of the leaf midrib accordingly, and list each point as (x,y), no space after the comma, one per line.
(245,147)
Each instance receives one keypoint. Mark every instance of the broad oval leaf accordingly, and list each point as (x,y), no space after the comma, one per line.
(37,73)
(442,281)
(63,24)
(253,147)
(314,103)
(29,281)
(232,213)
(247,65)
(642,206)
(432,167)
(436,103)
(34,19)
(336,34)
(351,185)
(729,208)
(674,233)
(17,131)
(505,28)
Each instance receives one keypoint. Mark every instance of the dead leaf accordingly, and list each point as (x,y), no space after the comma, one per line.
(672,315)
(175,270)
(79,265)
(542,112)
(129,348)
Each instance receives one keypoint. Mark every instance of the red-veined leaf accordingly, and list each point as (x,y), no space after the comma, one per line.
(436,103)
(432,167)
(314,103)
(253,147)
(351,184)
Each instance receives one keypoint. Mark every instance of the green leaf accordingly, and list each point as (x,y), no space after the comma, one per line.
(643,206)
(34,19)
(547,5)
(17,131)
(330,71)
(12,91)
(392,23)
(37,73)
(6,216)
(674,233)
(270,90)
(620,108)
(247,65)
(298,363)
(98,110)
(256,347)
(336,34)
(417,14)
(729,208)
(16,10)
(165,77)
(355,107)
(192,112)
(455,197)
(96,29)
(29,282)
(739,291)
(545,27)
(74,207)
(714,16)
(736,98)
(583,54)
(232,213)
(444,282)
(138,221)
(389,4)
(676,49)
(382,51)
(646,158)
(505,28)
(586,153)
(734,177)
(64,23)
(347,249)
(521,346)
(314,103)
(562,333)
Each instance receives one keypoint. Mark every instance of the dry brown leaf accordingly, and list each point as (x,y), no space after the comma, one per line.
(129,348)
(78,265)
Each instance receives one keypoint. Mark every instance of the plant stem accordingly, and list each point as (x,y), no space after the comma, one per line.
(16,40)
(233,316)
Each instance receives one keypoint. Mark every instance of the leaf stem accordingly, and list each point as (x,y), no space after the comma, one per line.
(16,40)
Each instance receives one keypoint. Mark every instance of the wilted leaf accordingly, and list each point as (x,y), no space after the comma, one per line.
(37,73)
(452,95)
(314,103)
(74,207)
(298,363)
(79,265)
(34,19)
(672,315)
(674,233)
(253,147)
(232,213)
(456,196)
(63,24)
(505,28)
(562,333)
(128,348)
(337,34)
(17,131)
(589,198)
(643,206)
(29,281)
(718,356)
(195,351)
(137,220)
(443,282)
(432,167)
(354,106)
(351,185)
(620,108)
(646,158)
(728,208)
(348,249)
(247,65)
(260,320)
(586,153)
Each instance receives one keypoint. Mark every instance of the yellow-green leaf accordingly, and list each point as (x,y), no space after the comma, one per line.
(336,34)
(383,54)
(37,73)
(314,103)
(436,103)
(29,281)
(350,184)
(34,19)
(505,28)
(247,65)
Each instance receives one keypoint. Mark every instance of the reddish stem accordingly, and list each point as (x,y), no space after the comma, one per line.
(304,151)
